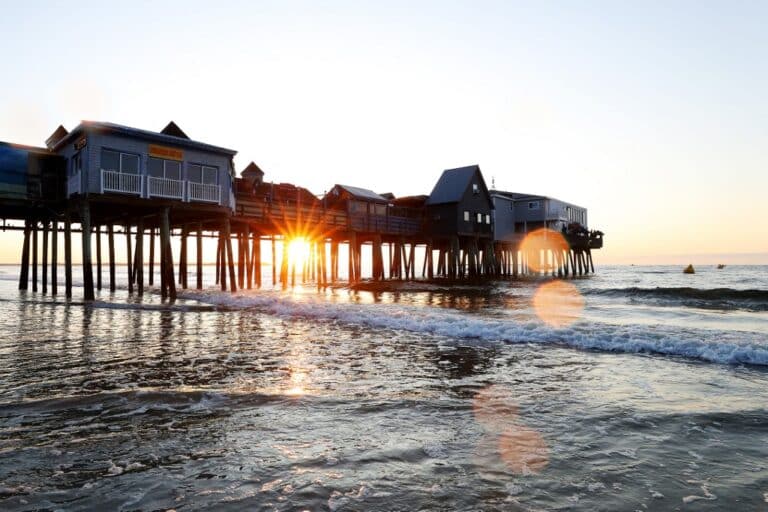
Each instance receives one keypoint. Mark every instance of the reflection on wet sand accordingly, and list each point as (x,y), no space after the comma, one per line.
(522,449)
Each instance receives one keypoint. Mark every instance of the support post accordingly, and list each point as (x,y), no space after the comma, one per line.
(166,256)
(34,257)
(200,256)
(85,224)
(45,257)
(129,256)
(140,256)
(151,268)
(68,256)
(98,258)
(230,258)
(111,249)
(54,256)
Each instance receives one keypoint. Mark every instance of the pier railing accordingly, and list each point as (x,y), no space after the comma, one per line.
(121,182)
(165,187)
(203,192)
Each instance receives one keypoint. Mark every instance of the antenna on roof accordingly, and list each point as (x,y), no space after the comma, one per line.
(493,182)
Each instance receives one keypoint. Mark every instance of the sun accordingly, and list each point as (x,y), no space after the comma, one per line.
(298,251)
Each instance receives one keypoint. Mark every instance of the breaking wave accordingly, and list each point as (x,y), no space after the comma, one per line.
(728,347)
(720,298)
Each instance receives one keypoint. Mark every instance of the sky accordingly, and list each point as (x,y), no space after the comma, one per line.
(653,115)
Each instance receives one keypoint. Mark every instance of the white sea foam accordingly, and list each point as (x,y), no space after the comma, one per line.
(707,345)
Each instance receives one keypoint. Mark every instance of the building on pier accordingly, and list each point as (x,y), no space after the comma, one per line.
(107,159)
(460,204)
(517,214)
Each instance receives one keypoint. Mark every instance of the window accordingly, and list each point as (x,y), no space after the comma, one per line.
(205,174)
(479,218)
(533,205)
(159,168)
(466,216)
(487,219)
(119,162)
(475,188)
(76,164)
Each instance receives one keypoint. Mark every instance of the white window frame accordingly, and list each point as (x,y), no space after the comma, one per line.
(204,168)
(165,168)
(466,215)
(120,154)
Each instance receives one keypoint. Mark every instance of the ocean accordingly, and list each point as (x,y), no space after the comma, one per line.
(643,389)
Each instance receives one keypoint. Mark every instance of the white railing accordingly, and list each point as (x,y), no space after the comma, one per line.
(73,184)
(203,192)
(124,183)
(165,187)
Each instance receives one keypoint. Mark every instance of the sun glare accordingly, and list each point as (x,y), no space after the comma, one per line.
(298,252)
(537,242)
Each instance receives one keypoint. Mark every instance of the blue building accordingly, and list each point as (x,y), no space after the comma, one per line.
(106,159)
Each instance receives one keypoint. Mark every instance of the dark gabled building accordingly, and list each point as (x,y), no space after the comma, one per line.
(460,204)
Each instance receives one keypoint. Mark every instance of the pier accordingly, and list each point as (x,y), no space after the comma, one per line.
(124,190)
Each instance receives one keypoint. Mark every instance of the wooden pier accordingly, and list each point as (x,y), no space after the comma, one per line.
(447,235)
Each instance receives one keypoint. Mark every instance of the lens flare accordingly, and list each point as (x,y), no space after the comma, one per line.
(541,240)
(494,408)
(523,450)
(558,303)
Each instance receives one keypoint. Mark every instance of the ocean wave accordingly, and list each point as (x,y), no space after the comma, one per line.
(725,298)
(728,347)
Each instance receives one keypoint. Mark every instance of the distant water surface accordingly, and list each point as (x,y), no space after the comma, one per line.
(423,397)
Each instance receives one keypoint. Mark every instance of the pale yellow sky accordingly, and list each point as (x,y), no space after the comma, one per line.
(652,116)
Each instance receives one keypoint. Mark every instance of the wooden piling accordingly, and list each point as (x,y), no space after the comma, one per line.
(151,269)
(129,257)
(98,258)
(183,258)
(140,256)
(166,257)
(111,250)
(54,256)
(256,258)
(199,255)
(68,255)
(85,224)
(230,262)
(248,256)
(45,257)
(34,257)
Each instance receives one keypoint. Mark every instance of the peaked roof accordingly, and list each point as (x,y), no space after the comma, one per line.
(173,130)
(56,136)
(252,168)
(137,132)
(452,184)
(363,193)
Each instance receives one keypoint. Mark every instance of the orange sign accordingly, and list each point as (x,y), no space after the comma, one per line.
(164,152)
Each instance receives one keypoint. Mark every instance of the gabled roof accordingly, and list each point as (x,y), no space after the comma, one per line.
(252,168)
(162,138)
(173,130)
(363,193)
(58,134)
(452,184)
